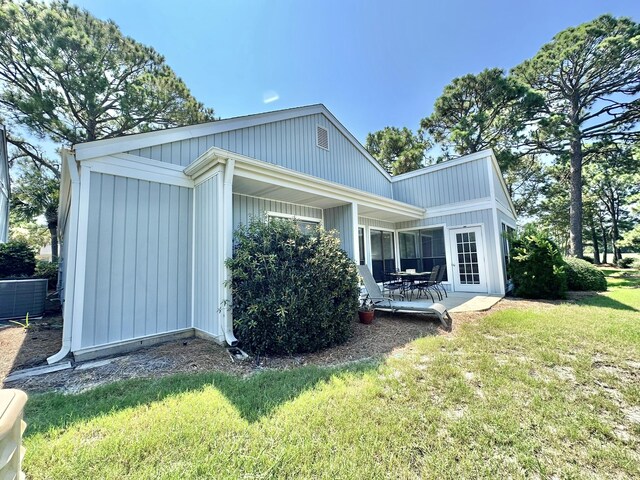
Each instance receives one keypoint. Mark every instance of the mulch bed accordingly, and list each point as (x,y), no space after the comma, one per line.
(22,349)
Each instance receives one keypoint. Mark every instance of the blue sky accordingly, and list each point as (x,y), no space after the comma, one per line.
(371,63)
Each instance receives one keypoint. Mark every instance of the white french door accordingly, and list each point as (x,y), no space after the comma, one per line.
(467,263)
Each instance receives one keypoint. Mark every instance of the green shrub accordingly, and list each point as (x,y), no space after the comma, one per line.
(624,262)
(582,276)
(589,259)
(536,266)
(17,259)
(48,270)
(292,292)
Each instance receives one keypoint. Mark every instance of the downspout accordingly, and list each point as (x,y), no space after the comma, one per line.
(227,228)
(70,262)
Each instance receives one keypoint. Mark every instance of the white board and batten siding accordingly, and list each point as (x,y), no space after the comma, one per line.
(341,219)
(138,261)
(445,186)
(246,208)
(206,294)
(288,143)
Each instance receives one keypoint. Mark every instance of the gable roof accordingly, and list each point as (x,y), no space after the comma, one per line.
(125,143)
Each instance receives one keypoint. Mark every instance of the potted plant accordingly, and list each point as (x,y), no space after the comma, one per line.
(366,312)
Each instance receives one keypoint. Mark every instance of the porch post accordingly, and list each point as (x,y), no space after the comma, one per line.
(227,248)
(354,225)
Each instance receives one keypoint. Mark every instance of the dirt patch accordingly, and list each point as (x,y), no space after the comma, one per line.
(24,348)
(386,334)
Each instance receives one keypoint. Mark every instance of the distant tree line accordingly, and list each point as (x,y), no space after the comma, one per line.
(563,126)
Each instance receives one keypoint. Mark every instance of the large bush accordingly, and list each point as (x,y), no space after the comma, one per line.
(536,266)
(625,262)
(48,270)
(17,259)
(292,292)
(582,276)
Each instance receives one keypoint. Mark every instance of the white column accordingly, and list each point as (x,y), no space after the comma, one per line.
(354,226)
(227,227)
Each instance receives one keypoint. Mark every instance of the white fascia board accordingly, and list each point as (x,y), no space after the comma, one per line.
(503,185)
(483,203)
(151,171)
(110,146)
(68,174)
(496,224)
(505,209)
(443,165)
(148,161)
(265,172)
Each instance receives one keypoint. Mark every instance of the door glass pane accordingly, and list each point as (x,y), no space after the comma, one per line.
(467,262)
(361,245)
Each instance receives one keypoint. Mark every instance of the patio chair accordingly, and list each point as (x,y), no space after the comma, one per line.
(439,284)
(381,302)
(428,285)
(393,285)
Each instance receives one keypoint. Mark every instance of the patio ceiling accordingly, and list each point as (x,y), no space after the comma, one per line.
(261,179)
(257,188)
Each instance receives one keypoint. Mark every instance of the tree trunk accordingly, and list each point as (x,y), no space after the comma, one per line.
(604,242)
(53,231)
(615,233)
(594,239)
(575,209)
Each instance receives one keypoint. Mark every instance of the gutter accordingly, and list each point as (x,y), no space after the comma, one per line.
(69,263)
(227,228)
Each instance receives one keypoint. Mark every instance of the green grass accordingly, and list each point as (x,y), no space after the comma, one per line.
(622,278)
(521,393)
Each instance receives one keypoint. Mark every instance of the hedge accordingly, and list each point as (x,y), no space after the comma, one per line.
(536,266)
(292,292)
(582,276)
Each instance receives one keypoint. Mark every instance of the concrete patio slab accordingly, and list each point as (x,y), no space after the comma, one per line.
(469,302)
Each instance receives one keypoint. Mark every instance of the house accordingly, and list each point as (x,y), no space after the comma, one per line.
(147,220)
(4,186)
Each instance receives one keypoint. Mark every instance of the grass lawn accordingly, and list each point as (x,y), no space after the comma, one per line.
(552,391)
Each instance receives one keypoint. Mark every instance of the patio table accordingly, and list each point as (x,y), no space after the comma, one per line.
(410,278)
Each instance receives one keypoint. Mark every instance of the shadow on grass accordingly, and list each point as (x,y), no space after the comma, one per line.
(605,302)
(254,397)
(624,281)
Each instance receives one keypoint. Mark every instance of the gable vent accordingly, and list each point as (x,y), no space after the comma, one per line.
(322,137)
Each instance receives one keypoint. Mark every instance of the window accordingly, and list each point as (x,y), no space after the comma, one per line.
(422,249)
(305,224)
(361,245)
(383,259)
(506,248)
(322,137)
